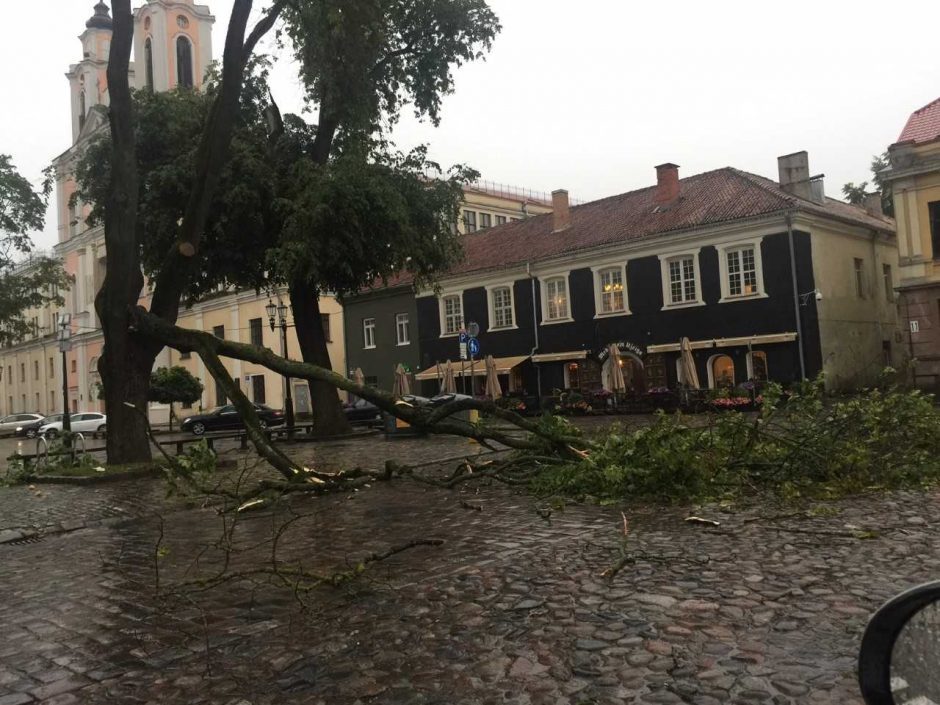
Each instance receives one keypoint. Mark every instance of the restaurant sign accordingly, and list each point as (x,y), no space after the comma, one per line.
(624,347)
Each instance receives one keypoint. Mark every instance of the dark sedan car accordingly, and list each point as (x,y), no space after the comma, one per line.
(362,412)
(30,429)
(226,417)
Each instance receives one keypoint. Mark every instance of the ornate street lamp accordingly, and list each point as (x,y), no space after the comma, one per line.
(65,344)
(280,310)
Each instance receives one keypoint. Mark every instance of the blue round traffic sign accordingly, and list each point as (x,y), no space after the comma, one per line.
(473,345)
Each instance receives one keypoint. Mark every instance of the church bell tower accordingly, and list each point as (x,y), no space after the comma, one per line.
(172,44)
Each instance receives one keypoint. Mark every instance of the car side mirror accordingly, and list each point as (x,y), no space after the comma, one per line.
(899,661)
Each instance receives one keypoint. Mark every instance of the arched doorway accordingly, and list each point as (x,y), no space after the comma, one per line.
(720,372)
(634,373)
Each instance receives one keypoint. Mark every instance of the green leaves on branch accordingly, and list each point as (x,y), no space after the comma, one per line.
(800,445)
(394,52)
(369,214)
(26,280)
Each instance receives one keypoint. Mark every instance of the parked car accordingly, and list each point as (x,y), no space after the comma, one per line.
(30,429)
(87,422)
(10,424)
(362,412)
(226,417)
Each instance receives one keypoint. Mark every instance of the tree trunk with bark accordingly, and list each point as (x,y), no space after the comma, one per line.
(127,359)
(124,364)
(328,416)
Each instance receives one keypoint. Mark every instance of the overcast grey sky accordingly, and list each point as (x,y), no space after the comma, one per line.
(591,95)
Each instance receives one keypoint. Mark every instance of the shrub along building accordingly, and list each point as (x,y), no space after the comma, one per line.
(768,280)
(914,177)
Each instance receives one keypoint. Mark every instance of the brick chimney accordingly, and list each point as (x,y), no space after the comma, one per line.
(561,211)
(795,177)
(872,204)
(667,184)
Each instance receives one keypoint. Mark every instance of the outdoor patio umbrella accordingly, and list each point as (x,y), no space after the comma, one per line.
(359,378)
(689,373)
(449,385)
(617,383)
(402,385)
(493,390)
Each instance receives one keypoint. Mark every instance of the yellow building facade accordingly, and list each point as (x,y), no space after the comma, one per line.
(914,177)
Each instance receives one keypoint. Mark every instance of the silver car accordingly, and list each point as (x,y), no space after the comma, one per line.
(9,424)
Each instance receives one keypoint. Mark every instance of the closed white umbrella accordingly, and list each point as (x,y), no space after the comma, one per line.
(689,373)
(450,384)
(359,378)
(402,385)
(493,390)
(617,383)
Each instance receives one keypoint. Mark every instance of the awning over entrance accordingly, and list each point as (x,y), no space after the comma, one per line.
(727,342)
(560,357)
(462,368)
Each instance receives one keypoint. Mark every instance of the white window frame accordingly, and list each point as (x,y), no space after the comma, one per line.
(599,295)
(403,323)
(491,306)
(543,287)
(723,252)
(664,261)
(750,364)
(443,317)
(368,334)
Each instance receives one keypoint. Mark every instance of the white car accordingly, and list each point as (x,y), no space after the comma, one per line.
(90,422)
(10,424)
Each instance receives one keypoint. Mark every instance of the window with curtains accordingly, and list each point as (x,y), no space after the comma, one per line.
(742,271)
(486,221)
(502,307)
(611,286)
(682,284)
(453,314)
(556,298)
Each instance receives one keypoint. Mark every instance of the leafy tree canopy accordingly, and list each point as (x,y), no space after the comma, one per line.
(363,60)
(171,385)
(368,213)
(26,280)
(856,193)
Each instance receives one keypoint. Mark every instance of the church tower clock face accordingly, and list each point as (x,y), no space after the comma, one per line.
(182,22)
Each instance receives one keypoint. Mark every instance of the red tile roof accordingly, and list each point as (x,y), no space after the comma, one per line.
(923,125)
(715,197)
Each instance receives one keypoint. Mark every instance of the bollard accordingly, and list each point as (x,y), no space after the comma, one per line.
(244,441)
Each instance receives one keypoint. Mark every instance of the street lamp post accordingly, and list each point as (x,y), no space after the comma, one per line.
(279,310)
(65,344)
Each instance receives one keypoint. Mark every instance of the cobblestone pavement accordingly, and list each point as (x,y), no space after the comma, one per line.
(766,608)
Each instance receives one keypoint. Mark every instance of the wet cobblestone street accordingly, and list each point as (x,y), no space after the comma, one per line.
(511,608)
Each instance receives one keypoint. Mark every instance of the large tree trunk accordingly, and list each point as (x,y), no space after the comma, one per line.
(127,359)
(328,416)
(124,364)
